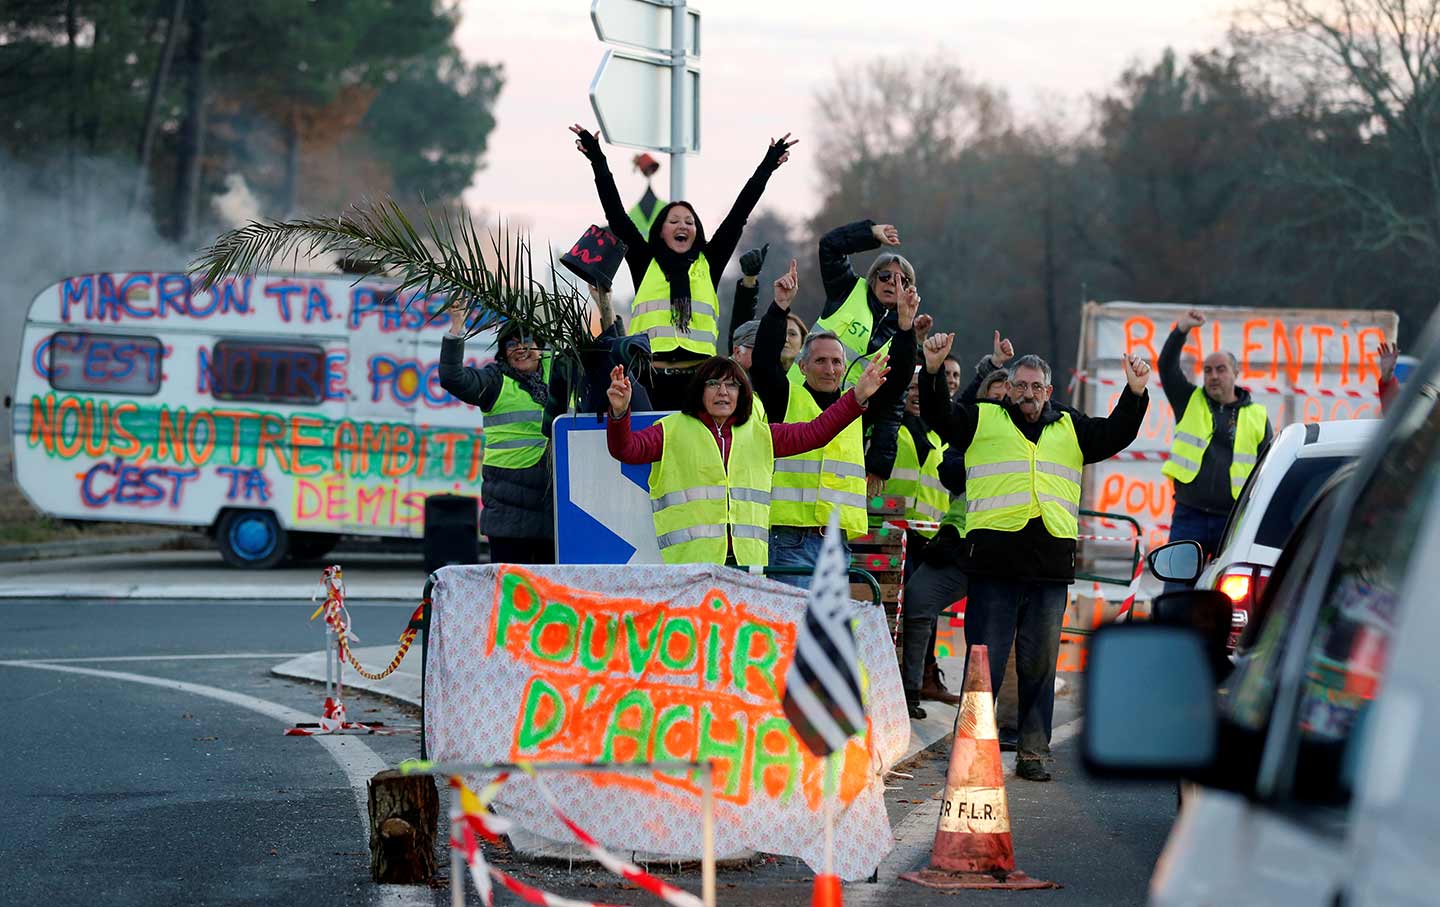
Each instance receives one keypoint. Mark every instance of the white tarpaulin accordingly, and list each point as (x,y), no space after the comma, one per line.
(597,663)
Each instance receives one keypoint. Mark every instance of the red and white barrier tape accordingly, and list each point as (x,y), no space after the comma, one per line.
(917,525)
(1130,593)
(678,897)
(1254,388)
(474,817)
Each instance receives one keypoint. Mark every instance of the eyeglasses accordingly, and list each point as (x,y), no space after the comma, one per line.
(887,276)
(717,383)
(522,345)
(1037,388)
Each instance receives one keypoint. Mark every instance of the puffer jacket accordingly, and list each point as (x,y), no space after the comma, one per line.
(515,503)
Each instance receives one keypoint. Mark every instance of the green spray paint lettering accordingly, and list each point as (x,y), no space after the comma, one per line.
(713,651)
(729,755)
(561,615)
(639,648)
(519,603)
(589,660)
(669,718)
(541,699)
(764,663)
(683,629)
(637,701)
(787,760)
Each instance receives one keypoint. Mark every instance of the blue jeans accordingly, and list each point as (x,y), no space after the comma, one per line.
(930,590)
(1189,524)
(1000,610)
(795,546)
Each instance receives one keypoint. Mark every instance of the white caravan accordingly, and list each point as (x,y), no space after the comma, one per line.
(278,411)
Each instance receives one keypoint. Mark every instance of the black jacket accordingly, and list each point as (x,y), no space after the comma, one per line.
(773,387)
(741,311)
(719,247)
(1209,491)
(839,278)
(515,503)
(1032,553)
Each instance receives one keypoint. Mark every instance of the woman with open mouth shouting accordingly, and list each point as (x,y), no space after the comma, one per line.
(676,269)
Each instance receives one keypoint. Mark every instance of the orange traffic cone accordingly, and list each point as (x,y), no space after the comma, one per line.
(972,845)
(827,891)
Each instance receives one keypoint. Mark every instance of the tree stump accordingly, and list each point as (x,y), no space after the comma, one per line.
(404,810)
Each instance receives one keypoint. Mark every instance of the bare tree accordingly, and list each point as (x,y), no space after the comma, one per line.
(1370,71)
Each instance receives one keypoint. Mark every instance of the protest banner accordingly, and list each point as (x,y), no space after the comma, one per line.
(632,664)
(1303,365)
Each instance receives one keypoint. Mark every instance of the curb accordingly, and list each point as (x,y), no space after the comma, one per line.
(114,544)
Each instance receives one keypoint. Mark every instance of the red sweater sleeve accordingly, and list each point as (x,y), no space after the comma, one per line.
(634,447)
(1388,390)
(793,438)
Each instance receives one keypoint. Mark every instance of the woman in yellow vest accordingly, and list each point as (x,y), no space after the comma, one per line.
(862,310)
(516,496)
(710,485)
(677,269)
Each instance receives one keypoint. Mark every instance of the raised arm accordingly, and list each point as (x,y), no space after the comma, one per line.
(1103,437)
(1173,379)
(637,251)
(747,292)
(721,244)
(476,386)
(767,374)
(835,250)
(953,422)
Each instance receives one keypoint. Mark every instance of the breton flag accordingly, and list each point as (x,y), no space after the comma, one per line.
(822,686)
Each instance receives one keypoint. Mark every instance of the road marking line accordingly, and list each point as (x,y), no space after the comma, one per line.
(96,658)
(916,833)
(358,761)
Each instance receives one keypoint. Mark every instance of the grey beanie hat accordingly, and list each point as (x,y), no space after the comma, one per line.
(744,335)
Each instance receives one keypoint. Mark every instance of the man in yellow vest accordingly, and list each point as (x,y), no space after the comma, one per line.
(810,485)
(1023,463)
(1219,433)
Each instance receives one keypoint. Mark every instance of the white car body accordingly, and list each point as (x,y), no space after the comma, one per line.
(1339,695)
(1295,466)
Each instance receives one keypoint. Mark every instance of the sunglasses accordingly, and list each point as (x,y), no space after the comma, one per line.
(887,276)
(717,383)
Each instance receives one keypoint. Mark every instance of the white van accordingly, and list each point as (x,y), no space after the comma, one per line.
(278,411)
(1315,761)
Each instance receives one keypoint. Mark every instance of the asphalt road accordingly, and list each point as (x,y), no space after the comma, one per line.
(151,769)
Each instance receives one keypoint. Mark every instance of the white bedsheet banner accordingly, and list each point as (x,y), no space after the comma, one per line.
(598,663)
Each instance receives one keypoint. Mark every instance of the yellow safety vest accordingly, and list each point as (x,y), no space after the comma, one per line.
(697,504)
(853,323)
(514,426)
(650,312)
(955,516)
(1010,481)
(1192,437)
(919,483)
(809,485)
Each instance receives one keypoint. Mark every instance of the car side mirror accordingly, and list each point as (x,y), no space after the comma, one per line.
(1177,562)
(1205,611)
(1150,708)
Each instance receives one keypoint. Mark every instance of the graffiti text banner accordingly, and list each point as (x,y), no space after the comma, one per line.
(656,663)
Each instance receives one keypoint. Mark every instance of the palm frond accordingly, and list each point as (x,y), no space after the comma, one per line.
(446,260)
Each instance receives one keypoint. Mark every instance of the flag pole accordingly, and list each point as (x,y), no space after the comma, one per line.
(707,835)
(828,795)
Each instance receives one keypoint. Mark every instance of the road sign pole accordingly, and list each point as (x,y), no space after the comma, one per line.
(677,100)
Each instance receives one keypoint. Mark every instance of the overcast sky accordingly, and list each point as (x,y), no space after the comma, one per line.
(763,61)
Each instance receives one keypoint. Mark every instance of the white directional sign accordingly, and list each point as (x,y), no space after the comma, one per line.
(643,25)
(630,95)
